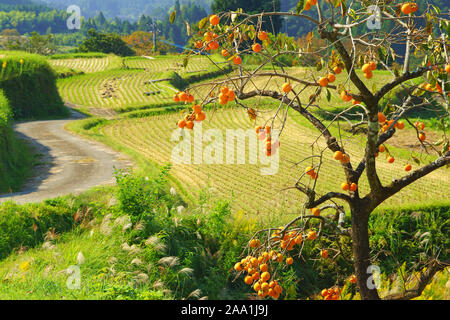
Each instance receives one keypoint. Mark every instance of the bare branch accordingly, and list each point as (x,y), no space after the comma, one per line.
(425,278)
(398,185)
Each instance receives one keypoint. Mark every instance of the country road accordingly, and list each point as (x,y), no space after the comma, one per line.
(67,162)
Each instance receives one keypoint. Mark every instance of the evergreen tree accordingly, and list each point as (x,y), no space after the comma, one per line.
(253,6)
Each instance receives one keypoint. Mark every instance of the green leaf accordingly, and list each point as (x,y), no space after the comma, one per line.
(172,17)
(251,32)
(202,23)
(416,160)
(320,64)
(300,6)
(382,53)
(418,92)
(185,61)
(438,11)
(328,95)
(352,13)
(343,9)
(336,3)
(445,147)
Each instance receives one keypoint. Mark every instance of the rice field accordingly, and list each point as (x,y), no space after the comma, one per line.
(171,63)
(201,90)
(113,89)
(88,65)
(106,84)
(244,184)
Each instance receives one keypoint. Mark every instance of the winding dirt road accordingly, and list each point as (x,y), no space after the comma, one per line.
(68,163)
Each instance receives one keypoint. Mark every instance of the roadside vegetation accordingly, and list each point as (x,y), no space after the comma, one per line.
(139,240)
(222,231)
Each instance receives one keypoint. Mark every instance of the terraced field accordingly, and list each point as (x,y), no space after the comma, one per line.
(112,89)
(244,183)
(118,87)
(171,63)
(88,65)
(202,89)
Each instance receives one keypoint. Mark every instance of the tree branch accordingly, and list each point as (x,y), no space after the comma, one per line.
(397,81)
(398,185)
(425,278)
(332,37)
(330,139)
(326,197)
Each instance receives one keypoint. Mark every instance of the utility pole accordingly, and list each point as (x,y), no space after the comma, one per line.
(154,37)
(153,26)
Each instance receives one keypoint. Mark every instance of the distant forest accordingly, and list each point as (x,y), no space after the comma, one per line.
(125,17)
(26,16)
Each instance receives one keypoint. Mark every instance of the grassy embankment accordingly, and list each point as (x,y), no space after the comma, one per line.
(27,91)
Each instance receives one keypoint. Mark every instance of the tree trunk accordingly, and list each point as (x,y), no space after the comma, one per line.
(361,250)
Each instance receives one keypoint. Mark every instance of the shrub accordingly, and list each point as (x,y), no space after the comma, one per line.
(142,197)
(177,81)
(65,72)
(27,225)
(410,235)
(105,43)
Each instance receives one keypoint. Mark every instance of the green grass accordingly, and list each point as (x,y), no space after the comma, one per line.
(190,241)
(89,128)
(46,278)
(114,265)
(143,131)
(79,55)
(113,89)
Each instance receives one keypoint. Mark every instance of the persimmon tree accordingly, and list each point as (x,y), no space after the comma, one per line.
(335,48)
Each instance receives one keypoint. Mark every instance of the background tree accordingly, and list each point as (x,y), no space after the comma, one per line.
(142,43)
(384,110)
(106,43)
(270,23)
